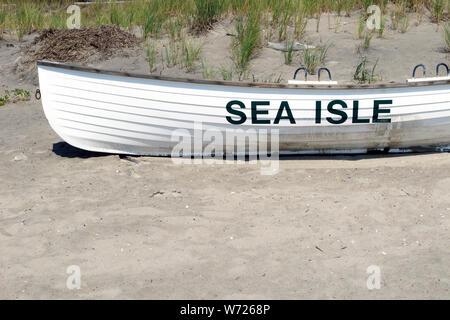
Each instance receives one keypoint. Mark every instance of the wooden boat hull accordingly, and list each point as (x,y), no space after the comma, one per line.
(118,113)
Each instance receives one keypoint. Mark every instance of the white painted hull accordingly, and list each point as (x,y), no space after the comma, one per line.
(113,113)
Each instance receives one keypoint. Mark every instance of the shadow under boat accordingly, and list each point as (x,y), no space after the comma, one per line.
(65,150)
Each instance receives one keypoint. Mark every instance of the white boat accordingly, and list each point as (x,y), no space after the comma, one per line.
(116,112)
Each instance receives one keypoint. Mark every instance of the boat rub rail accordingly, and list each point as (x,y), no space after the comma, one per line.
(240,84)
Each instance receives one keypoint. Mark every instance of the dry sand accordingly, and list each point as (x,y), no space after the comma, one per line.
(153,229)
(147,228)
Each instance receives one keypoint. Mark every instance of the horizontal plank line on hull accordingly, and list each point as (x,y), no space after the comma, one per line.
(393,94)
(225,125)
(307,92)
(164,136)
(221,116)
(169,112)
(168,131)
(178,123)
(170,144)
(135,139)
(167,136)
(211,106)
(289,137)
(132,113)
(287,147)
(210,121)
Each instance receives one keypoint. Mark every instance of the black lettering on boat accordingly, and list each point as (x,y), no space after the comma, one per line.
(377,111)
(255,112)
(318,111)
(336,109)
(337,112)
(242,116)
(355,118)
(284,106)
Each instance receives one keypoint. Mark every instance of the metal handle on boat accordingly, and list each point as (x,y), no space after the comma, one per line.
(323,69)
(419,66)
(301,68)
(442,65)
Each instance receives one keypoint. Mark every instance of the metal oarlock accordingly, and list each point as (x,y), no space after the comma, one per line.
(329,82)
(424,79)
(324,69)
(37,94)
(442,65)
(301,68)
(419,66)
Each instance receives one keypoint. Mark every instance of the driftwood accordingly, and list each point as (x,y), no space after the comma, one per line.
(283,46)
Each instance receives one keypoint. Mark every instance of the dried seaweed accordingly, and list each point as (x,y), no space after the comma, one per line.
(77,45)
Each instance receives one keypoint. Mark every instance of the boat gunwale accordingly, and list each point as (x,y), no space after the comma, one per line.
(81,68)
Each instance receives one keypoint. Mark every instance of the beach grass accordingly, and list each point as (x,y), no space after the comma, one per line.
(152,18)
(226,73)
(270,79)
(300,20)
(2,21)
(14,96)
(20,94)
(313,57)
(447,35)
(207,71)
(361,26)
(367,39)
(205,13)
(255,22)
(289,54)
(405,24)
(310,60)
(364,75)
(247,40)
(438,9)
(380,31)
(191,52)
(175,28)
(29,17)
(152,54)
(4,98)
(25,16)
(172,53)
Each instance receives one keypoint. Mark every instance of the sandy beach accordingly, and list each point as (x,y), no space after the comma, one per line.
(148,228)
